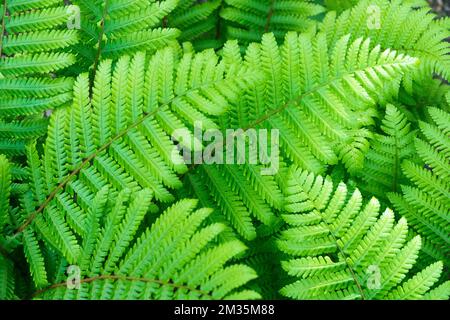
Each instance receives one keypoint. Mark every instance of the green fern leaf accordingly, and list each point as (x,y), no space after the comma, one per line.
(7,280)
(396,25)
(126,135)
(381,171)
(248,20)
(344,250)
(426,203)
(198,22)
(158,264)
(32,41)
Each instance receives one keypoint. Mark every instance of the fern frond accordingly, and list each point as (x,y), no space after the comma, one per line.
(198,22)
(33,36)
(341,5)
(426,203)
(110,29)
(344,249)
(5,190)
(248,20)
(7,280)
(382,164)
(313,98)
(125,133)
(161,263)
(396,25)
(314,95)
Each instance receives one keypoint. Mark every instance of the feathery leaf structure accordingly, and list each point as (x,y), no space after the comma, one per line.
(343,248)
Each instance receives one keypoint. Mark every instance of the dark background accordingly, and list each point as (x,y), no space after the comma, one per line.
(442,7)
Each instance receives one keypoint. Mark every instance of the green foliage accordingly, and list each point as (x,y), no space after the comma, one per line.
(198,22)
(332,90)
(394,25)
(248,20)
(300,82)
(342,248)
(119,136)
(119,262)
(426,202)
(341,5)
(112,28)
(381,171)
(7,281)
(96,122)
(5,190)
(33,38)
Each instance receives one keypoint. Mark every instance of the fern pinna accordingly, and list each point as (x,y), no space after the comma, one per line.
(394,25)
(33,36)
(111,28)
(342,248)
(198,23)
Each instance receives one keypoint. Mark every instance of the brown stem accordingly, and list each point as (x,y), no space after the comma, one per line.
(3,27)
(269,16)
(100,39)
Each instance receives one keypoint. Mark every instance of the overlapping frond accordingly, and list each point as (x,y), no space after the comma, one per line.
(5,190)
(426,202)
(320,98)
(396,25)
(117,262)
(112,28)
(314,98)
(33,38)
(7,281)
(198,23)
(382,172)
(341,5)
(120,136)
(91,169)
(343,248)
(248,20)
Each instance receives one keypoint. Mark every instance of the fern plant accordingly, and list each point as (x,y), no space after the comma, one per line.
(426,201)
(33,38)
(118,260)
(97,186)
(162,264)
(342,249)
(333,90)
(301,81)
(341,5)
(119,137)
